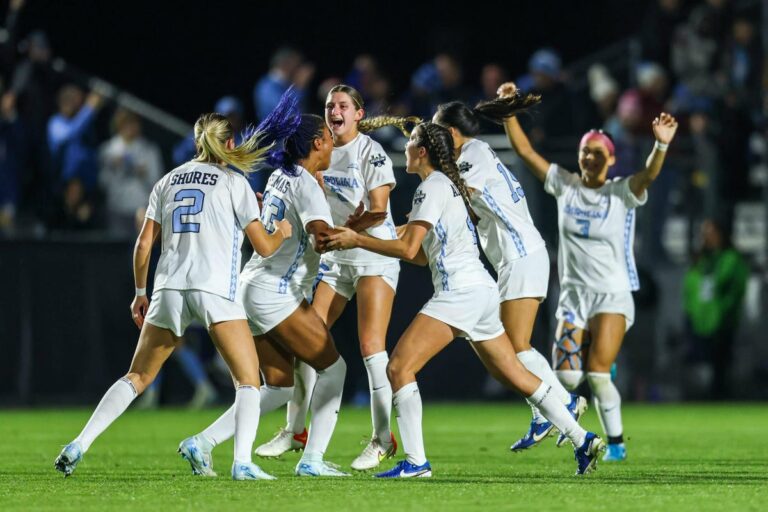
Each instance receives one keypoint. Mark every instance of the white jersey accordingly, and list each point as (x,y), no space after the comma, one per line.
(293,267)
(506,229)
(597,232)
(451,244)
(357,168)
(202,209)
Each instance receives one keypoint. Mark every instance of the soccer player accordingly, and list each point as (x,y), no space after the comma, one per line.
(441,232)
(360,171)
(199,210)
(596,217)
(509,239)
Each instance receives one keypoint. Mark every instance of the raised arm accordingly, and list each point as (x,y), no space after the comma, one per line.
(664,129)
(537,164)
(264,243)
(141,254)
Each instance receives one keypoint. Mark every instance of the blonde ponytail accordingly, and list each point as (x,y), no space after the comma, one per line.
(212,131)
(374,123)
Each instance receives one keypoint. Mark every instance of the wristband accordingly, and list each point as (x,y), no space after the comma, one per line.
(660,146)
(140,292)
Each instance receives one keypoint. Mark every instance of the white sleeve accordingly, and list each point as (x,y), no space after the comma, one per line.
(244,202)
(312,204)
(471,167)
(155,209)
(428,204)
(556,179)
(621,188)
(376,168)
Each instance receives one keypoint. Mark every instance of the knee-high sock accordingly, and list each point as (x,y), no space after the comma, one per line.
(558,414)
(247,400)
(270,398)
(607,401)
(326,400)
(381,395)
(407,403)
(304,382)
(537,364)
(571,379)
(114,403)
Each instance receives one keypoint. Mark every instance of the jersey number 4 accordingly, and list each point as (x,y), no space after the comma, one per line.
(179,225)
(274,209)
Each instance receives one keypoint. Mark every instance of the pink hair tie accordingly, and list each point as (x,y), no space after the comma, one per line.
(598,136)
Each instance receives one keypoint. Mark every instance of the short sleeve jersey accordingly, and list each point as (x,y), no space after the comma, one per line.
(203,210)
(292,268)
(356,168)
(597,232)
(451,244)
(506,229)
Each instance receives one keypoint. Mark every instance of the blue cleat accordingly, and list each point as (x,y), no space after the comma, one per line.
(616,453)
(195,451)
(405,469)
(68,459)
(249,471)
(586,454)
(318,468)
(577,408)
(536,434)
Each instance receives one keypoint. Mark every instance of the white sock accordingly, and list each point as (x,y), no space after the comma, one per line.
(558,414)
(304,382)
(114,403)
(571,379)
(607,401)
(407,402)
(537,364)
(381,395)
(326,400)
(247,408)
(270,398)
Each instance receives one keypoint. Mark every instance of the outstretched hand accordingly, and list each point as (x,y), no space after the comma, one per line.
(338,239)
(664,128)
(506,90)
(360,220)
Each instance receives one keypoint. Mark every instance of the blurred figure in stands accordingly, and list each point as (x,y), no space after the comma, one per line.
(287,68)
(11,138)
(713,295)
(658,28)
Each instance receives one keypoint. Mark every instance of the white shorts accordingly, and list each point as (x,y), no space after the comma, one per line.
(526,277)
(176,309)
(343,278)
(266,309)
(578,306)
(474,311)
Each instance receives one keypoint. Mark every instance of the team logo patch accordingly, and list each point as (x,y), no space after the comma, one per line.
(377,160)
(464,167)
(418,197)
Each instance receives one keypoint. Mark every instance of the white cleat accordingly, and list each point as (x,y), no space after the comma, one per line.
(249,471)
(284,441)
(318,468)
(193,450)
(375,452)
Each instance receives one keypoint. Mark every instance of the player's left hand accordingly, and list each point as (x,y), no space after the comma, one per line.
(664,128)
(360,220)
(139,308)
(340,239)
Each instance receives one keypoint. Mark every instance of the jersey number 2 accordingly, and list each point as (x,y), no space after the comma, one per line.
(198,196)
(274,209)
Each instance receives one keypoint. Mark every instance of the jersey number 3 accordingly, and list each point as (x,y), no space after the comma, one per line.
(179,225)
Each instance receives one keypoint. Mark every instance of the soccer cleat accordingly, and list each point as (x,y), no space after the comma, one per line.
(284,441)
(586,454)
(536,433)
(616,452)
(193,451)
(577,407)
(249,471)
(405,469)
(375,452)
(68,459)
(318,468)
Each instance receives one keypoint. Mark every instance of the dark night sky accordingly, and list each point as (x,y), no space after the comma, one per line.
(183,55)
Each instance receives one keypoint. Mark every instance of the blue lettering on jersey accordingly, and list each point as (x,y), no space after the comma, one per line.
(194,177)
(575,211)
(341,181)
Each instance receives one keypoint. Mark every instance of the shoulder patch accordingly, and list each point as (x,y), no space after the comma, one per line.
(377,160)
(464,167)
(419,196)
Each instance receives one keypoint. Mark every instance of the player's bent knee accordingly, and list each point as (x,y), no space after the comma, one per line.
(570,379)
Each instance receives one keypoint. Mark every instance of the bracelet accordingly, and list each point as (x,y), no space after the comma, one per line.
(660,146)
(140,292)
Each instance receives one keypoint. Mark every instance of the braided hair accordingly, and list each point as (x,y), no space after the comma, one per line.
(374,123)
(467,120)
(439,145)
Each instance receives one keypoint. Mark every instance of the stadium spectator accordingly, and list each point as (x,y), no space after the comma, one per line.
(695,54)
(8,36)
(713,295)
(652,85)
(604,92)
(658,28)
(741,62)
(76,208)
(287,68)
(10,140)
(437,81)
(130,166)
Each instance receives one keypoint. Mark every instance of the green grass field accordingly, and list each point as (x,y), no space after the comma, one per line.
(681,457)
